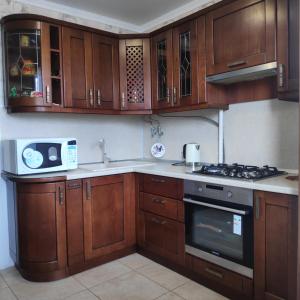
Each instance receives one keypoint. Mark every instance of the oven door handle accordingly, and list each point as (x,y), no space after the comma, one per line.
(237,211)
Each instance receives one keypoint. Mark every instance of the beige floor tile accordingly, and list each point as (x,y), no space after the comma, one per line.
(131,286)
(12,276)
(54,290)
(169,296)
(84,295)
(163,276)
(135,261)
(195,291)
(6,294)
(2,282)
(101,274)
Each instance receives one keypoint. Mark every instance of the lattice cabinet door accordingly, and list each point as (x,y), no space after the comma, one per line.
(135,76)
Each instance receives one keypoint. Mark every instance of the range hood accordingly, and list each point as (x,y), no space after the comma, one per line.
(246,74)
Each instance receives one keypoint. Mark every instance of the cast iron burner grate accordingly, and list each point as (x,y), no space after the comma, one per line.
(239,171)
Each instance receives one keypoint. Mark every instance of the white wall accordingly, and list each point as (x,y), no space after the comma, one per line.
(264,132)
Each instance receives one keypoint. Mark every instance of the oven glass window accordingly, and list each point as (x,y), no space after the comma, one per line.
(216,231)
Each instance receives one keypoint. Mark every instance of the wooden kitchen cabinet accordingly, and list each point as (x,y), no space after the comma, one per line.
(160,218)
(33,63)
(109,214)
(105,72)
(78,68)
(240,34)
(41,230)
(162,69)
(161,236)
(275,246)
(288,49)
(176,75)
(135,74)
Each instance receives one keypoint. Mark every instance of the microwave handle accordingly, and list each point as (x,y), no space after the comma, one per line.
(236,211)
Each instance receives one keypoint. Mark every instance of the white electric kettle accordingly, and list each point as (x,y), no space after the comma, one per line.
(191,154)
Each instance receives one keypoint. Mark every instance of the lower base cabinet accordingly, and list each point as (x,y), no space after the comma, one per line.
(100,219)
(275,246)
(41,231)
(64,227)
(161,236)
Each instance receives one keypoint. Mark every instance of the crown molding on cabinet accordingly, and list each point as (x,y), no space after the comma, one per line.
(170,17)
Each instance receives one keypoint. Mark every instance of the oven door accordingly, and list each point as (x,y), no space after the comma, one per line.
(220,232)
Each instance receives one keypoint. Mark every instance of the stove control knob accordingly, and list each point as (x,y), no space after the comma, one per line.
(229,194)
(200,189)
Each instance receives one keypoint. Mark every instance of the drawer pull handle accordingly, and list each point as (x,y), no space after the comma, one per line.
(60,195)
(154,220)
(74,185)
(236,63)
(168,95)
(214,273)
(158,201)
(158,180)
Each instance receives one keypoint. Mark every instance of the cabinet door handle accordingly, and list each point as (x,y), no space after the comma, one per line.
(168,95)
(158,180)
(214,273)
(281,72)
(174,95)
(257,207)
(99,97)
(88,190)
(60,195)
(123,100)
(48,94)
(236,63)
(158,201)
(91,97)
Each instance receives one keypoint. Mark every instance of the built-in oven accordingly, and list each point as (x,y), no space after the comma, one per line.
(219,225)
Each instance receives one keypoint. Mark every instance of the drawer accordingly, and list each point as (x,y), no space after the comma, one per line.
(162,206)
(163,186)
(222,276)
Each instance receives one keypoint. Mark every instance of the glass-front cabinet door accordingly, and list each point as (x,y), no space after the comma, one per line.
(185,89)
(33,70)
(162,73)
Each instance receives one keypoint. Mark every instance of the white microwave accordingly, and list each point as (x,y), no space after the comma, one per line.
(31,156)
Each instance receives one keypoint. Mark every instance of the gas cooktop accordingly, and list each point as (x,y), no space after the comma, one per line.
(238,171)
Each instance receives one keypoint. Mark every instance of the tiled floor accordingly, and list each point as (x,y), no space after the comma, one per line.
(130,278)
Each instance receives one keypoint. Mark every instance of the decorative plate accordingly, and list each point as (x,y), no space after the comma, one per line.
(158,150)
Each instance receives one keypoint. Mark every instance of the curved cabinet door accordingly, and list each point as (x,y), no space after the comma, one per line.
(41,230)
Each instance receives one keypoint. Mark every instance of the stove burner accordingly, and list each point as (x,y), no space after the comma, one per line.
(239,171)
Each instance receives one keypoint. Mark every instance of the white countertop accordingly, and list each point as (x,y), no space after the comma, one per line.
(277,184)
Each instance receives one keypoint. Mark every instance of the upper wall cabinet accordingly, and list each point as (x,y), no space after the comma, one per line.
(91,69)
(33,63)
(78,72)
(288,49)
(241,34)
(135,77)
(176,70)
(106,71)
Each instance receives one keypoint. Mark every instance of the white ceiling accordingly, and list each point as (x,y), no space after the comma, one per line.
(137,12)
(134,15)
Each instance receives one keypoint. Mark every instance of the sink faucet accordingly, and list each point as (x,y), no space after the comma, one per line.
(105,158)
